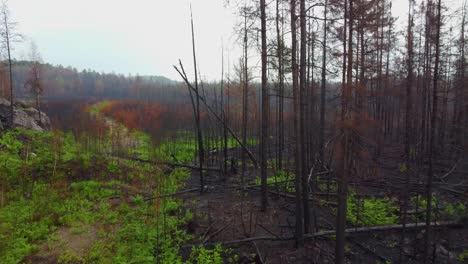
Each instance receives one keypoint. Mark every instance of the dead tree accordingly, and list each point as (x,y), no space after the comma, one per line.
(280,55)
(409,85)
(265,109)
(201,153)
(9,36)
(345,168)
(323,85)
(245,94)
(297,147)
(302,96)
(427,234)
(34,82)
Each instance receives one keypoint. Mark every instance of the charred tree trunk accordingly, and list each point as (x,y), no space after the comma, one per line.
(323,86)
(427,234)
(265,111)
(297,147)
(245,98)
(279,40)
(302,112)
(345,146)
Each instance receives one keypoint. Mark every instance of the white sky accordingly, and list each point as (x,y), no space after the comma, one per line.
(138,36)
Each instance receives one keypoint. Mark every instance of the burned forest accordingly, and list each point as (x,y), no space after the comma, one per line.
(319,131)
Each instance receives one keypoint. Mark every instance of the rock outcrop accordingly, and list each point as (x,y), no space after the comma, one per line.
(24,116)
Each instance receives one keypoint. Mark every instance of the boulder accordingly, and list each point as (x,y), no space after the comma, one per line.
(24,116)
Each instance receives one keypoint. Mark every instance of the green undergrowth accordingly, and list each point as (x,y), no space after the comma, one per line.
(183,147)
(441,209)
(463,257)
(371,211)
(51,182)
(283,179)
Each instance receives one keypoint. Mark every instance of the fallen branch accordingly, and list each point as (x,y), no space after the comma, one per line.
(260,258)
(370,251)
(217,232)
(443,177)
(171,194)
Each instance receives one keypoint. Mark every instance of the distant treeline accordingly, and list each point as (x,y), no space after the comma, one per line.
(68,83)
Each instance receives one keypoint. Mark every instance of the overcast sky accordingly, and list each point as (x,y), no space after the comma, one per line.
(139,36)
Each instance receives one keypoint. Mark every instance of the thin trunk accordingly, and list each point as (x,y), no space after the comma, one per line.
(297,147)
(323,86)
(225,135)
(265,111)
(302,111)
(10,68)
(201,153)
(245,98)
(279,40)
(427,234)
(409,84)
(344,173)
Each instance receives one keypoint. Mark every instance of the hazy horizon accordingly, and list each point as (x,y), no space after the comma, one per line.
(141,37)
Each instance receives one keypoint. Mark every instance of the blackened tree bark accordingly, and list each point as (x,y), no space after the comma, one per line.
(345,142)
(408,118)
(265,110)
(297,148)
(201,152)
(302,113)
(323,85)
(245,96)
(427,234)
(280,53)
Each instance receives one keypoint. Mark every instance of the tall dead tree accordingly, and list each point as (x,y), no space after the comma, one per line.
(34,81)
(280,56)
(297,147)
(302,113)
(8,36)
(323,84)
(459,112)
(245,94)
(201,152)
(224,116)
(345,168)
(265,110)
(427,234)
(409,86)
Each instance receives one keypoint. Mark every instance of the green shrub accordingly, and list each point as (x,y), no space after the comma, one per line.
(284,179)
(201,255)
(371,211)
(113,167)
(463,256)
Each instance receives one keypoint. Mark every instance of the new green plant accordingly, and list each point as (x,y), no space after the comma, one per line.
(284,180)
(371,211)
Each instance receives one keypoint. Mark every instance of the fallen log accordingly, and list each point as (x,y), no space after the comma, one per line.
(290,196)
(349,231)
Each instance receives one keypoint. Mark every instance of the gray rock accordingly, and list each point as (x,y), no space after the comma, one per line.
(24,116)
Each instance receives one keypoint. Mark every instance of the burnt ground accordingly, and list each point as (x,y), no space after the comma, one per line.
(227,212)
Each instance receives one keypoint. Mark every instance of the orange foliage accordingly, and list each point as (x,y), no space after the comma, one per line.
(153,118)
(135,115)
